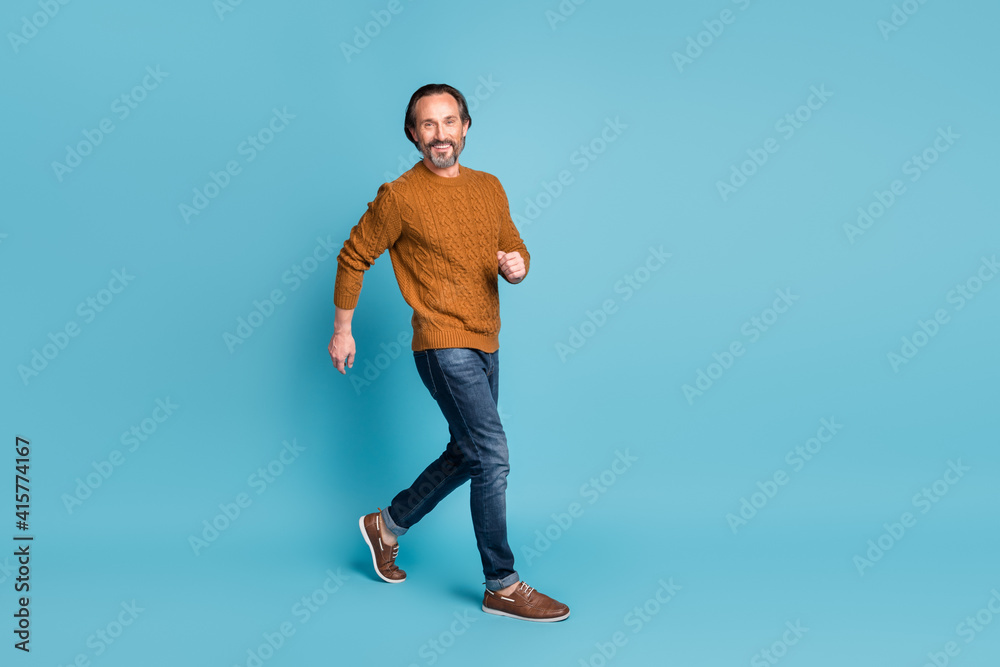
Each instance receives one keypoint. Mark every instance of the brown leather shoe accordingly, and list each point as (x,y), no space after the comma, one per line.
(525,603)
(383,556)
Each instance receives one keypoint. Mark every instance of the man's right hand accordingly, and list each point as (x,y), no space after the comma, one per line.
(342,350)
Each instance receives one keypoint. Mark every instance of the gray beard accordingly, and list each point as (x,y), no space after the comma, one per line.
(442,162)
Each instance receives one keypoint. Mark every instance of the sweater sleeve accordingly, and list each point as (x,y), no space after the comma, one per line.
(378,230)
(510,239)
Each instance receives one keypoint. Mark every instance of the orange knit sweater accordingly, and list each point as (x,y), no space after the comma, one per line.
(442,235)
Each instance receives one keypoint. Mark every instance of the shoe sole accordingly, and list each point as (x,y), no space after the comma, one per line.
(364,534)
(488,610)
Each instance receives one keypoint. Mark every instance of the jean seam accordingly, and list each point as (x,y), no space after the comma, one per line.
(465,424)
(430,374)
(461,414)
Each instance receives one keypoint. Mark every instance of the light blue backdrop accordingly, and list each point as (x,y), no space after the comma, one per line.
(749,424)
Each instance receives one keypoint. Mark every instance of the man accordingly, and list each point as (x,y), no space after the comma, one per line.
(450,235)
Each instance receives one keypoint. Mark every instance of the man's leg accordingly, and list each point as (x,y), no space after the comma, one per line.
(438,479)
(465,384)
(380,529)
(459,380)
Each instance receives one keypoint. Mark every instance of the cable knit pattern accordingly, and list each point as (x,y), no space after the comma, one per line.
(442,235)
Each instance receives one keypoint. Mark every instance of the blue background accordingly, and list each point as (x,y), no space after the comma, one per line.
(541,89)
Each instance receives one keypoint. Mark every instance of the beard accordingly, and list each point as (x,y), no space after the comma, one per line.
(445,160)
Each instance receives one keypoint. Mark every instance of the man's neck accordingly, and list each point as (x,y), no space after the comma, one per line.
(447,172)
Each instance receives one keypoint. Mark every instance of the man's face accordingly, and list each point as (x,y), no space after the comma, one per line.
(440,131)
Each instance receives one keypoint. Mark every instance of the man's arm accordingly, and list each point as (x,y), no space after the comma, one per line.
(377,230)
(513,259)
(342,343)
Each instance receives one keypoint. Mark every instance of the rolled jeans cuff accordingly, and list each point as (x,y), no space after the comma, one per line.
(390,524)
(497,584)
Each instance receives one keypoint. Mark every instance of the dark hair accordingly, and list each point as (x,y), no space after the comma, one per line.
(433,89)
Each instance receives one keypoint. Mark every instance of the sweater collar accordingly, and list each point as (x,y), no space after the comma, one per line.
(461,179)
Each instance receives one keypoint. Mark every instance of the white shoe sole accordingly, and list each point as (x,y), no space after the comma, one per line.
(525,618)
(364,534)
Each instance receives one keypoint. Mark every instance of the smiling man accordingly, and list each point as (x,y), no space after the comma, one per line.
(450,236)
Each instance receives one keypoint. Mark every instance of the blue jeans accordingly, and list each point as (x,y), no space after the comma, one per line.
(465,382)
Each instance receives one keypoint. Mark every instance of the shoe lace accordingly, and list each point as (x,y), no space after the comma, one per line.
(395,547)
(392,567)
(526,589)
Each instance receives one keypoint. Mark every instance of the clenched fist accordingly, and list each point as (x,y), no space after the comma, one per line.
(512,265)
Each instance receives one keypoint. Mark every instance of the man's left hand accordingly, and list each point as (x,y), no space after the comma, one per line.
(512,265)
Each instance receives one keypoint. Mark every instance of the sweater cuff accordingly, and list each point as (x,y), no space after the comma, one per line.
(345,301)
